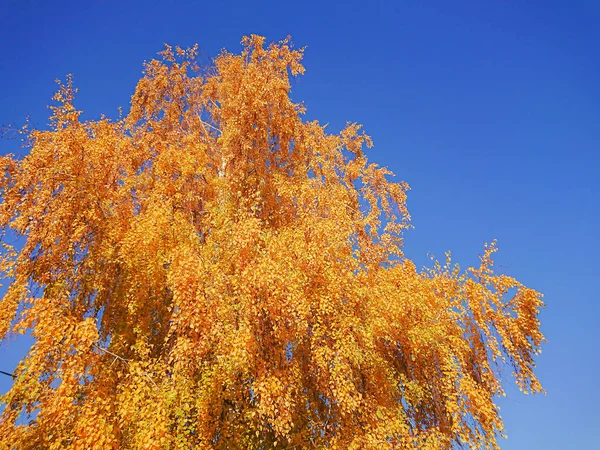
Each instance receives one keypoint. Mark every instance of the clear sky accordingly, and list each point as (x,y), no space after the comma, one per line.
(489,110)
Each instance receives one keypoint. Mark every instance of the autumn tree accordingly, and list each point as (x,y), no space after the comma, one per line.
(213,271)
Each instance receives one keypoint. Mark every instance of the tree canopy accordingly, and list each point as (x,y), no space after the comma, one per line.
(211,271)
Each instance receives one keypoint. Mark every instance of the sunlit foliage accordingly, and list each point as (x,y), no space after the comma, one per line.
(213,271)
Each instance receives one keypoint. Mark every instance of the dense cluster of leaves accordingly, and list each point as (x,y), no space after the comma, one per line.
(211,271)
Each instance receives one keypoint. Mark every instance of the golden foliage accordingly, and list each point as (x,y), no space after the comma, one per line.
(211,271)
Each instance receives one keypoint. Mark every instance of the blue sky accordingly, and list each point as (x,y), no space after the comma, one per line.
(489,110)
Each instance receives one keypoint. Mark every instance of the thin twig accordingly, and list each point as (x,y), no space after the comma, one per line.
(151,380)
(211,126)
(111,353)
(12,375)
(127,361)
